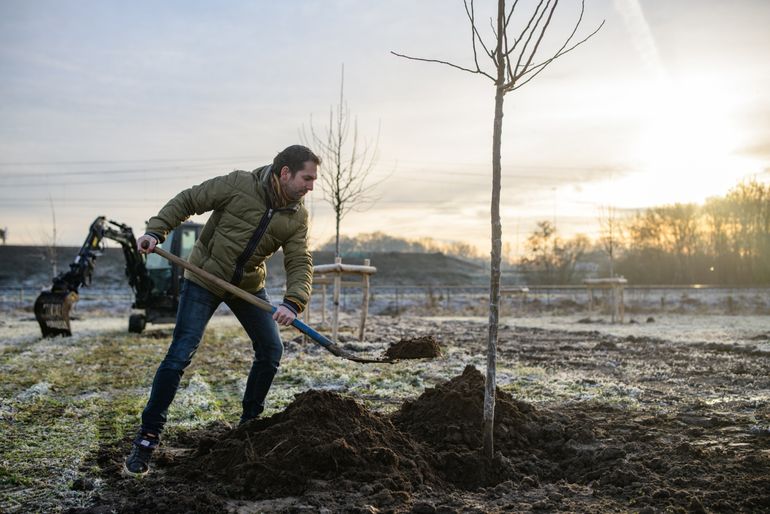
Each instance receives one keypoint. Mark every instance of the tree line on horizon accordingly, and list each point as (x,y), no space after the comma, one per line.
(362,244)
(724,241)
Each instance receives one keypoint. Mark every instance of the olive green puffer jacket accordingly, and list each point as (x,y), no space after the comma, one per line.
(242,232)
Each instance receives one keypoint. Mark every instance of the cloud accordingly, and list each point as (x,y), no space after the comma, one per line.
(641,36)
(760,148)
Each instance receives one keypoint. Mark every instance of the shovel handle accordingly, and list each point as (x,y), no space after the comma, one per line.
(312,334)
(240,293)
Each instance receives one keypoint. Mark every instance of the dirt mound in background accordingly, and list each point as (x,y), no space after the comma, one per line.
(539,444)
(424,347)
(320,436)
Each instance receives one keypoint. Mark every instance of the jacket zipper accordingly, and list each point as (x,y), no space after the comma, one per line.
(251,247)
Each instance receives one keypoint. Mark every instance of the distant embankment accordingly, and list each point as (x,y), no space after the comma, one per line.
(32,267)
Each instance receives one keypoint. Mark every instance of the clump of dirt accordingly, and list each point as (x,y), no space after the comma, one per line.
(605,346)
(424,347)
(320,436)
(536,443)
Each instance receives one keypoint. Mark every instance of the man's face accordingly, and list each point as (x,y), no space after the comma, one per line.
(301,183)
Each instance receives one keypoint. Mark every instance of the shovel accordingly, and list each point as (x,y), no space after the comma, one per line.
(265,306)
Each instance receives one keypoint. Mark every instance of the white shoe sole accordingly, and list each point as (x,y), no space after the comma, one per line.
(126,472)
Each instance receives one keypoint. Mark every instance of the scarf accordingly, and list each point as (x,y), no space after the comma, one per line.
(278,196)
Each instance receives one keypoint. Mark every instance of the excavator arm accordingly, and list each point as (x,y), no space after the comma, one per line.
(52,308)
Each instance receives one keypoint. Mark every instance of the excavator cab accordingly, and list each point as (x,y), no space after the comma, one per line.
(155,281)
(165,279)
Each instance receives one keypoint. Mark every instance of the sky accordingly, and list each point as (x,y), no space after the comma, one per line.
(111,108)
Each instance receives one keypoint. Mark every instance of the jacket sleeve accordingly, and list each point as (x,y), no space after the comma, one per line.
(299,267)
(204,197)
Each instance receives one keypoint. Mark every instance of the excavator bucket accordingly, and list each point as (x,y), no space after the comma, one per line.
(52,312)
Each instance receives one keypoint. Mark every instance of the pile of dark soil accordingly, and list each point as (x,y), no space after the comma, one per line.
(326,442)
(424,347)
(330,452)
(433,439)
(320,436)
(540,444)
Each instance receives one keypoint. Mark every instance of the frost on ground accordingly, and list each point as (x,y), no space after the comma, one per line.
(694,387)
(751,330)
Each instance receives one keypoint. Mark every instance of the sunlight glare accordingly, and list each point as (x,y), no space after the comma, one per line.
(686,152)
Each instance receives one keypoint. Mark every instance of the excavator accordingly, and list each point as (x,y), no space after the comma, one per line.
(154,280)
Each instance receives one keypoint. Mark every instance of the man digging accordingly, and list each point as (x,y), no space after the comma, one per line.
(253,215)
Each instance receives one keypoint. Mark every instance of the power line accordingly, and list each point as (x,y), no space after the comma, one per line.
(604,168)
(120,161)
(395,162)
(118,179)
(179,167)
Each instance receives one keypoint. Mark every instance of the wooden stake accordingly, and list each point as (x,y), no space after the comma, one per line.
(323,305)
(364,303)
(622,305)
(336,300)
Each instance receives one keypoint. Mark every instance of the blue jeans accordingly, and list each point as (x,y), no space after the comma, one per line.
(196,306)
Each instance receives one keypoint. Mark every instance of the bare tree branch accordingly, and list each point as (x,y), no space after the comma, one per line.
(524,31)
(566,42)
(532,30)
(475,34)
(535,70)
(542,66)
(539,39)
(505,45)
(510,14)
(494,30)
(479,72)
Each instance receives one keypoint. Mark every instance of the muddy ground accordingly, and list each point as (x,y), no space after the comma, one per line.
(589,419)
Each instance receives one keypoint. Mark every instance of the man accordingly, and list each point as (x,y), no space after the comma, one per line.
(253,215)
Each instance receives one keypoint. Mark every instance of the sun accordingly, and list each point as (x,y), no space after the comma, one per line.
(687,150)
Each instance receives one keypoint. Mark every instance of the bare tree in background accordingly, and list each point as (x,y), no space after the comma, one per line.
(609,234)
(515,61)
(51,246)
(550,259)
(347,162)
(3,234)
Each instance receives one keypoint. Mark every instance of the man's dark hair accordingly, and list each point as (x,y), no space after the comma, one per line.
(295,157)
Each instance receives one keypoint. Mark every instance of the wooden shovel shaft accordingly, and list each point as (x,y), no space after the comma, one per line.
(262,304)
(227,286)
(240,293)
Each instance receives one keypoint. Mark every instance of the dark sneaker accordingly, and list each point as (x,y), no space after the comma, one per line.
(138,461)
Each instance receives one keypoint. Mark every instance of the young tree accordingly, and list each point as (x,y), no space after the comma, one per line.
(347,162)
(49,241)
(609,234)
(515,56)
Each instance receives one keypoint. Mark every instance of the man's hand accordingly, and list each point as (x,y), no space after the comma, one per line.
(283,315)
(146,239)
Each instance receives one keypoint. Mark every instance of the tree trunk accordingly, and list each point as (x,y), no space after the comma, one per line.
(337,234)
(496,255)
